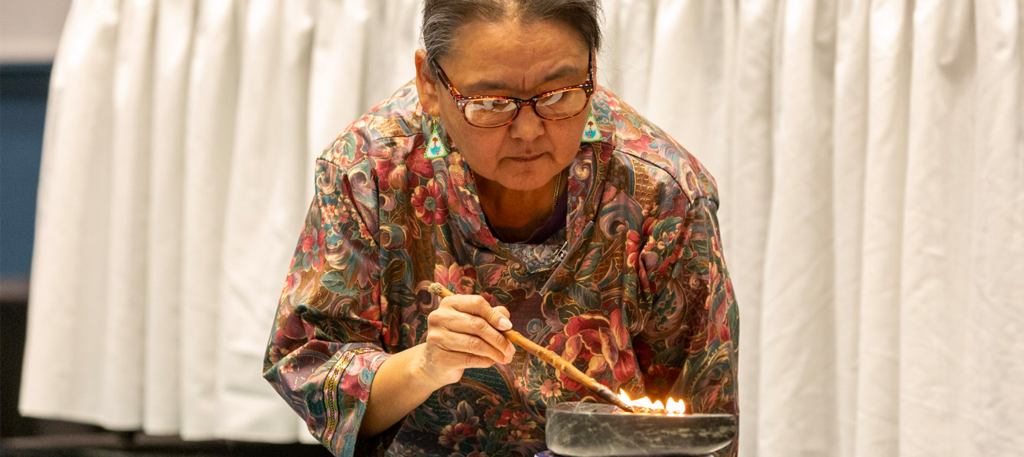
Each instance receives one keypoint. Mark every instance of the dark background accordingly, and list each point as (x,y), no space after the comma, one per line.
(23,90)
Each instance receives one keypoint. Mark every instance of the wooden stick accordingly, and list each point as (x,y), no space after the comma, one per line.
(549,358)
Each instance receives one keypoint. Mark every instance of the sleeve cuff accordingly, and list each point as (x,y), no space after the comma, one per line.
(346,391)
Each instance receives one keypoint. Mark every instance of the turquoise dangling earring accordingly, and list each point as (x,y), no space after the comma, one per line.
(435,147)
(591,133)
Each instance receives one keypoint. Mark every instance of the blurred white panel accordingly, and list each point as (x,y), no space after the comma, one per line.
(30,29)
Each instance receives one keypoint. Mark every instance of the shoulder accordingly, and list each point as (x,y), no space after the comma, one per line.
(385,134)
(642,153)
(373,147)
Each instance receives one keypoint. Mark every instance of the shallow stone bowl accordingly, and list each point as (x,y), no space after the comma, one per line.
(596,430)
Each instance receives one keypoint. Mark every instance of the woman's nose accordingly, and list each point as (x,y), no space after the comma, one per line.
(527,125)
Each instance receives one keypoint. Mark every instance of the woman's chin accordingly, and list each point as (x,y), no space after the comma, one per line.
(524,181)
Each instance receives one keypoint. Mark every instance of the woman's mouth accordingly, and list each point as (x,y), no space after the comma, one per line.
(528,158)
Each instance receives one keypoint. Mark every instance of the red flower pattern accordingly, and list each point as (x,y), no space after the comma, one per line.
(429,204)
(551,388)
(515,420)
(455,434)
(632,249)
(312,249)
(600,341)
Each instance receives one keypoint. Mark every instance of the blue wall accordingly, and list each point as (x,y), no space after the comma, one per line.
(23,90)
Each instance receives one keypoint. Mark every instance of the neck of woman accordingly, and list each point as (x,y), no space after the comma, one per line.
(513,214)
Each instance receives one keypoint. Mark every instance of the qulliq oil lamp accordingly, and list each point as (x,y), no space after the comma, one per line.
(623,427)
(584,429)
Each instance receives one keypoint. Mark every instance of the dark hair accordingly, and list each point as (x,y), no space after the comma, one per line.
(441,18)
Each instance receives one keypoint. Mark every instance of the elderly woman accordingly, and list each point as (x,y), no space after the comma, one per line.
(549,206)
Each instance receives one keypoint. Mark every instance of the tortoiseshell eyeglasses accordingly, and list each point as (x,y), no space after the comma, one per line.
(494,111)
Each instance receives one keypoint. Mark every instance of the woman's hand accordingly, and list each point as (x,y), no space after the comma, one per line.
(463,332)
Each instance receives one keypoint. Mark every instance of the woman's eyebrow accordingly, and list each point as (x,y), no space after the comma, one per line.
(488,85)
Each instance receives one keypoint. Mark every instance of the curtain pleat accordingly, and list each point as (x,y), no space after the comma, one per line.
(869,157)
(173,48)
(997,261)
(121,388)
(210,121)
(746,203)
(250,271)
(850,148)
(888,78)
(937,314)
(797,391)
(62,375)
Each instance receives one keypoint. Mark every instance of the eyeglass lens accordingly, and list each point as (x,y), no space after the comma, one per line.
(496,111)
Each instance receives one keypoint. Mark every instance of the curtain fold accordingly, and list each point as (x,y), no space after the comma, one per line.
(747,199)
(173,48)
(938,315)
(869,156)
(797,391)
(849,166)
(212,99)
(997,259)
(890,30)
(121,391)
(61,375)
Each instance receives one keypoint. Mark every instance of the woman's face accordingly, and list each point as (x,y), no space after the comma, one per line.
(511,59)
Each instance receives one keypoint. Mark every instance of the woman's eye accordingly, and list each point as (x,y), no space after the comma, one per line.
(550,99)
(496,105)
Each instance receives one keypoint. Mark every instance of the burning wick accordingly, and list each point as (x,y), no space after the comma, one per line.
(644,405)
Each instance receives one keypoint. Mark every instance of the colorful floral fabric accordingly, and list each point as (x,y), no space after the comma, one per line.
(641,299)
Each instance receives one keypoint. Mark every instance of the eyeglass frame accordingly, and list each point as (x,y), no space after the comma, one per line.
(461,101)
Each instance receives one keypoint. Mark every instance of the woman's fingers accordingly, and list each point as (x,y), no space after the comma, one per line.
(463,333)
(462,343)
(458,331)
(477,306)
(466,323)
(504,312)
(475,316)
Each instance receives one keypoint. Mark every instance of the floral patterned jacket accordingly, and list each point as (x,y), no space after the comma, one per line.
(641,299)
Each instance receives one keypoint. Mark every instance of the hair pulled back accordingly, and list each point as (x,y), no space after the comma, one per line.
(441,19)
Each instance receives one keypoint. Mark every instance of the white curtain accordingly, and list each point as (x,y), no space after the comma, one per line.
(869,155)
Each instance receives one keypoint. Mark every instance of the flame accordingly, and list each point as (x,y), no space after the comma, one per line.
(673,408)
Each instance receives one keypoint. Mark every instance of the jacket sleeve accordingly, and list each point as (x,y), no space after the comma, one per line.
(689,346)
(325,346)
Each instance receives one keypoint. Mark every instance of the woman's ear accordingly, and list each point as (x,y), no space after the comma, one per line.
(425,86)
(593,63)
